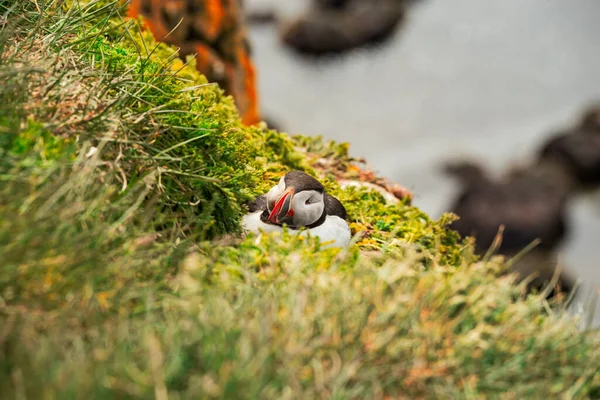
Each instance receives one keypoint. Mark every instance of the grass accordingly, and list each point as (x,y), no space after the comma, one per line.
(122,180)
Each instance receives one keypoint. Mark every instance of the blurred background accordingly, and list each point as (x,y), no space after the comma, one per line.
(482,80)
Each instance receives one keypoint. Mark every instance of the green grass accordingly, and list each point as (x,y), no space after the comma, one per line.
(123,273)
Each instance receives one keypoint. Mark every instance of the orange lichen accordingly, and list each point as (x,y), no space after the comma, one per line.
(215,32)
(215,15)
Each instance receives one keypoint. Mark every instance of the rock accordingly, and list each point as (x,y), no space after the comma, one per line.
(213,30)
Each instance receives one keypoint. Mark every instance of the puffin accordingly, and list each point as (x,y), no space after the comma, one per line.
(332,27)
(577,149)
(531,204)
(299,202)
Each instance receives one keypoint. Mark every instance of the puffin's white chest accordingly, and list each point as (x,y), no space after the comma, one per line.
(334,232)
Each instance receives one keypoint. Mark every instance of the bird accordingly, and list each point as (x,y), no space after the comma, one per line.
(299,202)
(578,149)
(530,203)
(337,26)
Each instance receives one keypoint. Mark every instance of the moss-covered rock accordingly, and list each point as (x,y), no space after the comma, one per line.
(123,175)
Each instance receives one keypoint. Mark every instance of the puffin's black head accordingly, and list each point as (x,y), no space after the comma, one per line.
(302,181)
(297,200)
(590,119)
(466,172)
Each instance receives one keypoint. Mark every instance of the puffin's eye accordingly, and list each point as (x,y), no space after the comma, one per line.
(311,200)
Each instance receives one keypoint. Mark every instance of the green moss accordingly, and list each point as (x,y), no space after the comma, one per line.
(34,137)
(123,275)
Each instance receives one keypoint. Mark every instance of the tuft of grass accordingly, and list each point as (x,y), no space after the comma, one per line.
(122,180)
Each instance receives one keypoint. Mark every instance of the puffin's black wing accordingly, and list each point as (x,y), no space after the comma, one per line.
(528,209)
(258,204)
(334,207)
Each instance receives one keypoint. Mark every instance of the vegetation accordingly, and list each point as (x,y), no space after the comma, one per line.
(123,175)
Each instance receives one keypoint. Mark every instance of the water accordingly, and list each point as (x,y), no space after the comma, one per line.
(488,79)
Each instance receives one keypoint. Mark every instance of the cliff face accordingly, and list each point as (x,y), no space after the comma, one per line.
(214,31)
(124,174)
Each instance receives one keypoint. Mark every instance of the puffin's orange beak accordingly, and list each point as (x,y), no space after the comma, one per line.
(282,207)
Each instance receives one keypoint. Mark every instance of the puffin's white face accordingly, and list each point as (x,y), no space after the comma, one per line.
(294,208)
(308,206)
